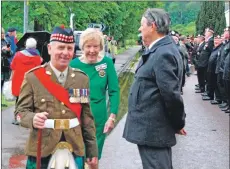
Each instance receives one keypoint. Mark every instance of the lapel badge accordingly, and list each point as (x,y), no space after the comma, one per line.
(48,72)
(72,75)
(101,73)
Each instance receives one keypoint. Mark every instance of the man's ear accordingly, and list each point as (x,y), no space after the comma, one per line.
(49,48)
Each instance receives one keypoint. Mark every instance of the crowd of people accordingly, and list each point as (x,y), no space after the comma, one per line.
(211,60)
(76,118)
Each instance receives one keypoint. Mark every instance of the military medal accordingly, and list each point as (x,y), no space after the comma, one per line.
(74,96)
(101,72)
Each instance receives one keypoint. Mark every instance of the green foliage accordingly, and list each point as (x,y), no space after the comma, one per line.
(188,29)
(208,18)
(121,18)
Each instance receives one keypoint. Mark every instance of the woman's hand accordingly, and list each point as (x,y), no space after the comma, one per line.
(109,125)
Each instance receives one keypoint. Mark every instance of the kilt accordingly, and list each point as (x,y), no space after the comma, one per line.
(31,162)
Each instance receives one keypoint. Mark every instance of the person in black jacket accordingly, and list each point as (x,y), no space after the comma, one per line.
(211,76)
(201,43)
(202,63)
(225,67)
(226,77)
(155,106)
(6,53)
(220,69)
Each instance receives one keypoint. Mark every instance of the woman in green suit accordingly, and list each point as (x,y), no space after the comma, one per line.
(102,75)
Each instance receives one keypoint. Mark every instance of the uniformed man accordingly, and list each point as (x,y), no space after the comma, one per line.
(53,100)
(202,63)
(220,70)
(225,67)
(211,76)
(201,43)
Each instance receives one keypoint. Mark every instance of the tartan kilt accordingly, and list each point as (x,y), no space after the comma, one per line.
(31,162)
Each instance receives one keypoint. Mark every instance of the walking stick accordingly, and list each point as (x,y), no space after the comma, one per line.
(38,161)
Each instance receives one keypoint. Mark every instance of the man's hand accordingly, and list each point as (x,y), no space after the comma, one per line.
(92,162)
(39,120)
(182,132)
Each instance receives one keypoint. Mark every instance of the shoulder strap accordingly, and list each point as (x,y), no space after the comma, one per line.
(57,91)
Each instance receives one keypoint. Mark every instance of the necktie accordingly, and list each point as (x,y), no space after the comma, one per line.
(61,78)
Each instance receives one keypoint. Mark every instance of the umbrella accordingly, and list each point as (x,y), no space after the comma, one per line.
(42,38)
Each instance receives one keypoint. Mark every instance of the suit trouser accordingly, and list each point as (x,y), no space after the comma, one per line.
(227,88)
(220,85)
(202,76)
(217,92)
(155,158)
(211,84)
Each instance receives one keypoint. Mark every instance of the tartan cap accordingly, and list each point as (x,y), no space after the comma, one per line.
(62,34)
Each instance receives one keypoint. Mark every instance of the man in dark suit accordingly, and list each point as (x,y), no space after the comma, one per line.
(211,76)
(200,39)
(155,108)
(202,63)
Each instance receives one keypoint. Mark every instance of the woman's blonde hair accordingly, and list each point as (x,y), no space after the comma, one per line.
(91,34)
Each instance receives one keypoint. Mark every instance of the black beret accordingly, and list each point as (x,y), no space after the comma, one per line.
(61,34)
(227,28)
(11,29)
(209,29)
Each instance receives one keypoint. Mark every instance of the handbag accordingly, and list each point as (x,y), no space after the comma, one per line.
(7,91)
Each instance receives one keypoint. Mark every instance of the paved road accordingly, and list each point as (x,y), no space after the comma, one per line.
(14,137)
(205,147)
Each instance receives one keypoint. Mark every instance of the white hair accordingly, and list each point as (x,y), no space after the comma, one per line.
(31,43)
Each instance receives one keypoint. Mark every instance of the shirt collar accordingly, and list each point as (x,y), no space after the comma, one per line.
(57,72)
(154,42)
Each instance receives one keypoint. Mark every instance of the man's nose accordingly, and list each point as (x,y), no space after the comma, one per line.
(65,51)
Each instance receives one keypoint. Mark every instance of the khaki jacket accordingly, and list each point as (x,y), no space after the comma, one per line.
(35,98)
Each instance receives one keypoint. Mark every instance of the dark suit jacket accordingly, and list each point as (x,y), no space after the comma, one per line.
(156,109)
(213,59)
(205,53)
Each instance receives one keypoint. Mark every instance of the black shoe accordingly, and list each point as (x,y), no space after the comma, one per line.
(199,91)
(222,105)
(225,108)
(197,88)
(204,94)
(227,111)
(215,102)
(15,122)
(207,98)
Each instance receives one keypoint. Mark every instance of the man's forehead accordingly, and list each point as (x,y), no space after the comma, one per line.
(56,43)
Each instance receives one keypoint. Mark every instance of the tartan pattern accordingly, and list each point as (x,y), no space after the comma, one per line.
(31,162)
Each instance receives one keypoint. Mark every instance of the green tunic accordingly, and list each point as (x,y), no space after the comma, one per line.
(102,76)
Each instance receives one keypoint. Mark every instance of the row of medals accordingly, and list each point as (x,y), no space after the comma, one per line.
(79,96)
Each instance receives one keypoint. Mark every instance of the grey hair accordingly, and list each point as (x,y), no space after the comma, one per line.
(160,17)
(31,43)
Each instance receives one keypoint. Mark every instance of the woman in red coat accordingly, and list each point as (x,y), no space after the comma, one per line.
(24,61)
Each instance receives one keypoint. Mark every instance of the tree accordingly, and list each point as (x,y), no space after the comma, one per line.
(208,18)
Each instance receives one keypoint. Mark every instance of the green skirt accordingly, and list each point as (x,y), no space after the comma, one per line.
(31,162)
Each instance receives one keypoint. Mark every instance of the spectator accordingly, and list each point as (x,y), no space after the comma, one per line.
(11,38)
(6,53)
(24,61)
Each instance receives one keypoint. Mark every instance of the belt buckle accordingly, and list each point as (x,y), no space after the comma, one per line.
(61,124)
